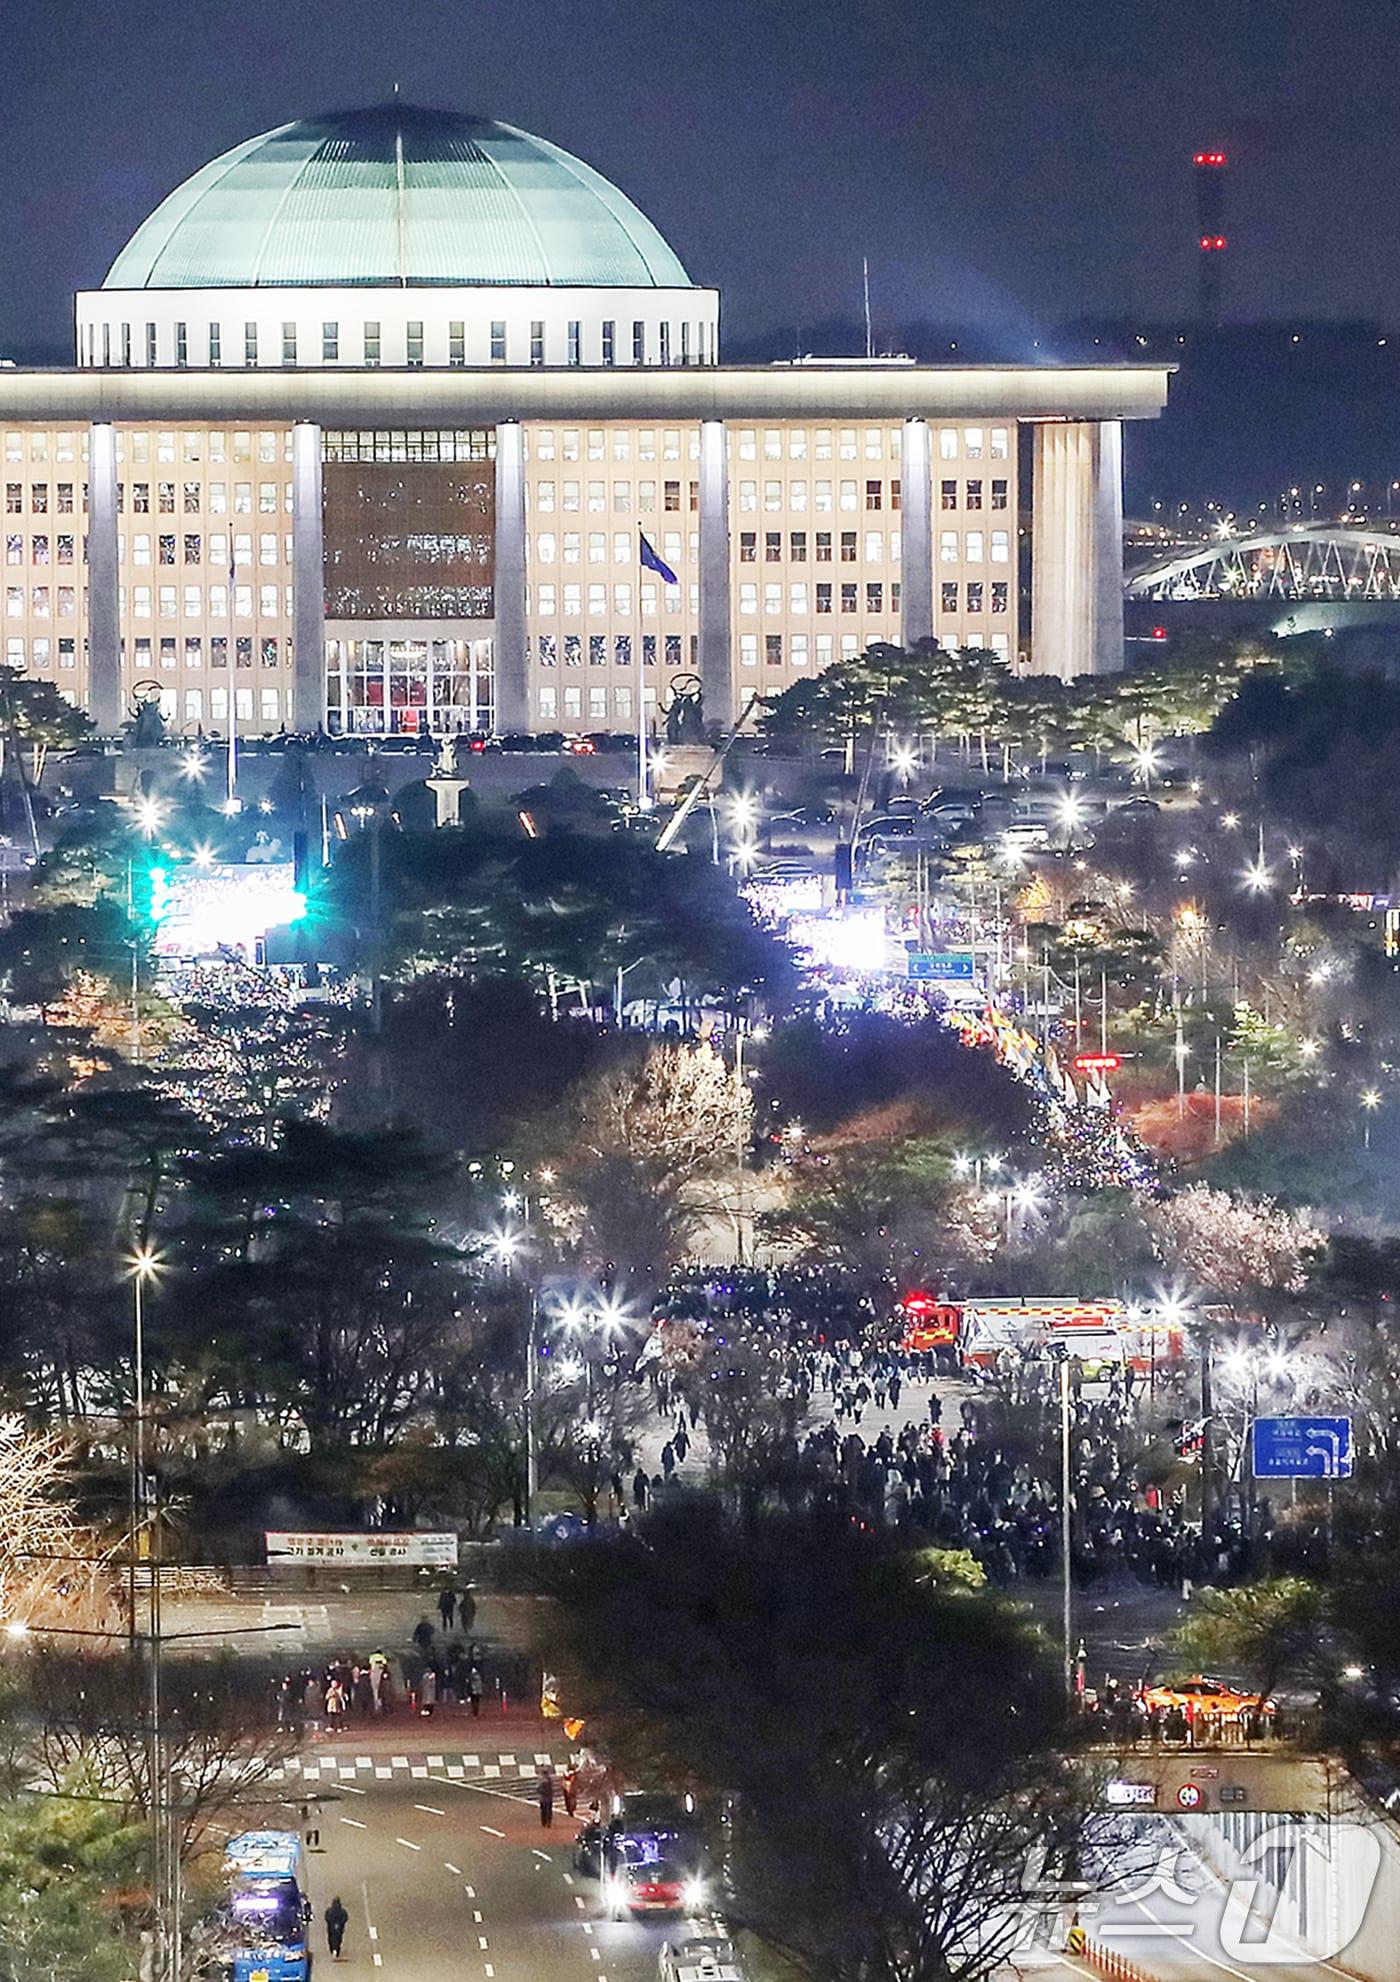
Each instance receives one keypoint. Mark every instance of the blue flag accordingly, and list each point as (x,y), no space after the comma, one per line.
(651,562)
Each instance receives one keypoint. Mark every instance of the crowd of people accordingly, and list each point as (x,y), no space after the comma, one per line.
(987,1481)
(442,1665)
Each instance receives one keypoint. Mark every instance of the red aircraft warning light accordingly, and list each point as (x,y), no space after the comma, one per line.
(1210,158)
(1097,1063)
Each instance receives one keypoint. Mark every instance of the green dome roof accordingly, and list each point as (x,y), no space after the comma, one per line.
(399,197)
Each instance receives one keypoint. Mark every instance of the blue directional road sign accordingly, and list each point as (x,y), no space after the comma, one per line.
(940,966)
(1302,1449)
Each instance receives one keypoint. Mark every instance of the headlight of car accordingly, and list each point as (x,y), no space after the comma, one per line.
(693,1894)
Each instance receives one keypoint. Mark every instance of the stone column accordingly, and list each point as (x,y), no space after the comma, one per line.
(512,669)
(106,699)
(716,659)
(916,535)
(1108,548)
(1077,549)
(308,581)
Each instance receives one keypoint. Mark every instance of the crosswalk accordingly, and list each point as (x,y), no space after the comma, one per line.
(331,1766)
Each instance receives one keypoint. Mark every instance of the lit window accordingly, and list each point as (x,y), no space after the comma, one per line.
(1001,547)
(972,443)
(974,551)
(1000,448)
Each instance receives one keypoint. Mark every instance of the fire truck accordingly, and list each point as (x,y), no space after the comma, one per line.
(1096,1333)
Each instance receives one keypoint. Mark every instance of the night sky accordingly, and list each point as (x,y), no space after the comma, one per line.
(1015,165)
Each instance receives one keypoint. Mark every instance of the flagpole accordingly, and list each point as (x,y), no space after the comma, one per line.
(231,761)
(643,795)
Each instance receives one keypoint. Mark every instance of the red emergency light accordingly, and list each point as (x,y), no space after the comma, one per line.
(1212,243)
(1159,633)
(1097,1063)
(1209,158)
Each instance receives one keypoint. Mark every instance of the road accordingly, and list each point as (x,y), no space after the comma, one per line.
(1167,1920)
(436,1849)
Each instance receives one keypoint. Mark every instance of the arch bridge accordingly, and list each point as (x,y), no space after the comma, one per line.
(1312,561)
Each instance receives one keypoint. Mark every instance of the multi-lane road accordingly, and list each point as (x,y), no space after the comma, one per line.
(436,1849)
(431,1836)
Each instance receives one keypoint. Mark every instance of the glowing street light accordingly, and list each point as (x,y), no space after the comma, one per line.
(1257,878)
(1230,821)
(1370,1101)
(150,815)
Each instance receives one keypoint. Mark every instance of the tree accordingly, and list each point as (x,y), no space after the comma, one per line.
(1273,1631)
(641,1151)
(883,1209)
(890,1739)
(64,1860)
(1230,1246)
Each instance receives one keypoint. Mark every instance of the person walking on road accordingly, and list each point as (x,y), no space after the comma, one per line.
(544,1789)
(476,1686)
(423,1635)
(337,1920)
(447,1605)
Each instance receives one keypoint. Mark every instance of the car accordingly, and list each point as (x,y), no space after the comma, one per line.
(1137,808)
(1028,834)
(639,1880)
(891,827)
(1200,1694)
(701,1951)
(580,746)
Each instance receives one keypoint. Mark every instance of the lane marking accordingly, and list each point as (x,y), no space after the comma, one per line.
(597,1953)
(350,1789)
(455,1870)
(568,1878)
(374,1933)
(482,1941)
(430,1809)
(470,1892)
(587,1926)
(477,1918)
(579,1900)
(541,1854)
(487,1969)
(408,1844)
(370,1927)
(492,1833)
(354,1823)
(483,1789)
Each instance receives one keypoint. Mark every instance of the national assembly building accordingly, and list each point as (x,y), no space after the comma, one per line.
(399,421)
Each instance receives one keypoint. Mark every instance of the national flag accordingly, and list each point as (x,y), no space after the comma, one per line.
(652,562)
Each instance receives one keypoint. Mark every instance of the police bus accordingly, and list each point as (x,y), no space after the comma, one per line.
(266,1914)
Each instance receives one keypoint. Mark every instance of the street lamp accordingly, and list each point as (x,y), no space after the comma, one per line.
(1370,1101)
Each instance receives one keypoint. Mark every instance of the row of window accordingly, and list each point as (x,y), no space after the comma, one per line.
(543,547)
(170,601)
(269,651)
(65,496)
(546,600)
(850,543)
(617,648)
(777,496)
(195,496)
(973,491)
(593,443)
(541,496)
(41,653)
(272,705)
(547,701)
(867,443)
(799,598)
(411,444)
(974,547)
(43,549)
(975,595)
(166,446)
(272,549)
(535,342)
